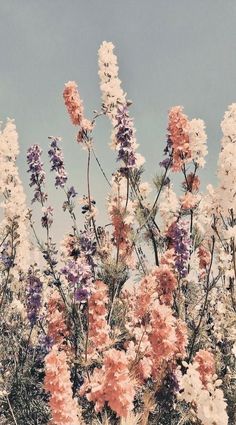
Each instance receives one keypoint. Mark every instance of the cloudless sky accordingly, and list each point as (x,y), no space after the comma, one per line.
(170,52)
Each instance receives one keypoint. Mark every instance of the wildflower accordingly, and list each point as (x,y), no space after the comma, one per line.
(111,384)
(37,174)
(47,217)
(34,294)
(57,326)
(197,141)
(75,106)
(57,162)
(178,130)
(206,365)
(110,84)
(179,240)
(64,408)
(98,327)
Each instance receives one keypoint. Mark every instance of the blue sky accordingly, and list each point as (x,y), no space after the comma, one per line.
(170,52)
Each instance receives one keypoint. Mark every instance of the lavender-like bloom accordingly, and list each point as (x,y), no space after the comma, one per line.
(180,241)
(125,138)
(5,258)
(57,161)
(78,274)
(71,193)
(37,177)
(88,246)
(34,292)
(47,218)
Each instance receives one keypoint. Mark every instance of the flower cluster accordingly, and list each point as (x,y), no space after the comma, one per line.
(178,130)
(75,106)
(209,403)
(133,320)
(79,275)
(110,84)
(34,290)
(37,173)
(111,384)
(57,161)
(64,408)
(98,327)
(124,140)
(179,240)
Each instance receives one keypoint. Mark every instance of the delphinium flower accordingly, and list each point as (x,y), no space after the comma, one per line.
(179,240)
(57,162)
(14,204)
(168,206)
(166,284)
(34,295)
(112,384)
(178,131)
(163,336)
(115,106)
(79,275)
(206,365)
(158,336)
(110,84)
(204,257)
(37,173)
(47,217)
(122,213)
(64,408)
(56,318)
(207,403)
(75,110)
(197,141)
(124,140)
(98,332)
(189,200)
(226,163)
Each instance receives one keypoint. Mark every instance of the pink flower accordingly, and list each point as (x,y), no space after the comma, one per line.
(178,128)
(206,365)
(57,382)
(57,327)
(98,327)
(75,108)
(111,384)
(166,284)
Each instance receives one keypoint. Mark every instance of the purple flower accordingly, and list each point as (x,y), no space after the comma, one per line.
(57,161)
(71,193)
(180,241)
(125,138)
(34,291)
(5,257)
(79,275)
(47,217)
(37,177)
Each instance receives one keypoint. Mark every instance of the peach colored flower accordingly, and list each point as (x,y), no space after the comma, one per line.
(111,384)
(206,365)
(75,107)
(57,327)
(64,408)
(166,284)
(178,128)
(189,200)
(204,257)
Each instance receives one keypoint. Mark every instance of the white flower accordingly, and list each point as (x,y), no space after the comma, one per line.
(168,206)
(197,141)
(110,84)
(145,189)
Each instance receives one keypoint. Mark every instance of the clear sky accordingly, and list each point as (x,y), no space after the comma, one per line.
(170,52)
